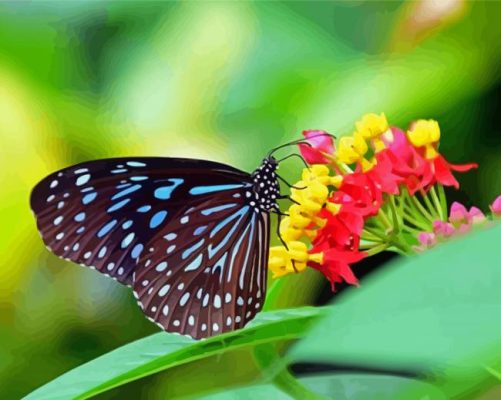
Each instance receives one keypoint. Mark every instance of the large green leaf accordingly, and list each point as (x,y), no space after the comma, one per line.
(436,313)
(162,351)
(342,386)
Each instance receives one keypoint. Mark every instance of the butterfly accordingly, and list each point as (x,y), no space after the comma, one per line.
(190,237)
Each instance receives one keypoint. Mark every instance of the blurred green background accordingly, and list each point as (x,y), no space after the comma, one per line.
(218,80)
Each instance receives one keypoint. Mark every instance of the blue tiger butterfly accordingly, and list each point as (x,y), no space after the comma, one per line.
(189,236)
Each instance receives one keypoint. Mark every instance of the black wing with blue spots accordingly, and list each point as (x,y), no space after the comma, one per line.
(102,214)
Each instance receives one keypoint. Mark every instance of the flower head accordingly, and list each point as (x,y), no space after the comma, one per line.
(372,127)
(321,146)
(368,195)
(425,133)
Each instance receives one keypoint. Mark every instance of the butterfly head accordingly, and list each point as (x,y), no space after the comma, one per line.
(265,188)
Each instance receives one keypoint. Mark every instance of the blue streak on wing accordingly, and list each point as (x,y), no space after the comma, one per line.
(195,264)
(199,230)
(118,205)
(241,214)
(126,192)
(220,265)
(190,250)
(88,198)
(235,251)
(244,265)
(209,211)
(137,250)
(196,190)
(157,219)
(227,220)
(165,192)
(106,228)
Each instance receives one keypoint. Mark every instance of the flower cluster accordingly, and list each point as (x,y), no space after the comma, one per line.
(379,189)
(461,221)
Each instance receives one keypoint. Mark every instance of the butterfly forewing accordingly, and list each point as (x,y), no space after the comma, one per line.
(102,213)
(207,277)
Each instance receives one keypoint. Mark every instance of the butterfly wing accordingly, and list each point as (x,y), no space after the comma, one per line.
(101,214)
(208,276)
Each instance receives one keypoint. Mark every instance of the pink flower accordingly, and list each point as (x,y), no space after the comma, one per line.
(321,143)
(496,206)
(443,229)
(427,239)
(476,215)
(459,215)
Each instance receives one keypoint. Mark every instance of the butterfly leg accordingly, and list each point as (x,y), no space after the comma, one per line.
(283,197)
(289,185)
(279,215)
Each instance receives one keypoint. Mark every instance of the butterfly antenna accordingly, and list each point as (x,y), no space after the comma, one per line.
(299,141)
(295,155)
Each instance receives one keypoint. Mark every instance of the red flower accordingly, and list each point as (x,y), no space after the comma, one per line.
(321,143)
(341,231)
(412,169)
(359,194)
(382,173)
(336,266)
(442,171)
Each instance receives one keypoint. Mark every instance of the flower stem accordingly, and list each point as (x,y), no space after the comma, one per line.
(395,216)
(370,245)
(366,235)
(266,356)
(421,208)
(429,205)
(385,220)
(443,199)
(375,233)
(415,222)
(377,249)
(438,205)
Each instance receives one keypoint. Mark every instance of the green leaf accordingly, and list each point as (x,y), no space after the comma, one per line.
(343,387)
(436,313)
(162,351)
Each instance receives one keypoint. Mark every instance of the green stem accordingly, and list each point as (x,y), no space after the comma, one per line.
(365,246)
(368,237)
(395,216)
(429,204)
(411,230)
(416,223)
(377,249)
(294,388)
(415,201)
(374,232)
(267,358)
(443,199)
(438,206)
(385,220)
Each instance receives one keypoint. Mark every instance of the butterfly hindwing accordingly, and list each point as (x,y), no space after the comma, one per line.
(208,276)
(102,213)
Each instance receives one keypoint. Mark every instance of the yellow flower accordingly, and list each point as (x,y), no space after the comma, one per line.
(425,133)
(320,173)
(372,126)
(284,261)
(288,231)
(352,149)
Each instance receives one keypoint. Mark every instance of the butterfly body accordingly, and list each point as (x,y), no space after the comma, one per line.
(189,236)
